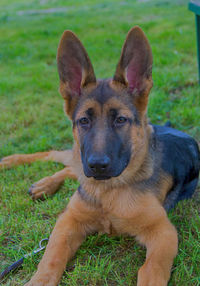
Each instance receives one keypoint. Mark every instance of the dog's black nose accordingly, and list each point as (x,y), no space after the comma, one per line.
(98,164)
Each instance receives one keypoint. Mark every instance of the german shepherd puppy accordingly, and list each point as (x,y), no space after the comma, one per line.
(130,172)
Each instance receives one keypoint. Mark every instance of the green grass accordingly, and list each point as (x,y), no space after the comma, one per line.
(32,119)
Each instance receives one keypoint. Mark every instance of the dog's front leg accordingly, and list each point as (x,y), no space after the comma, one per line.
(160,238)
(70,230)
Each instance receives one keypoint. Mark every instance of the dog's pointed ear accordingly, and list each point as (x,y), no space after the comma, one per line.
(134,69)
(74,68)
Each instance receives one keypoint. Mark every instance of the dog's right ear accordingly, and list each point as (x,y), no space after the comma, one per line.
(74,68)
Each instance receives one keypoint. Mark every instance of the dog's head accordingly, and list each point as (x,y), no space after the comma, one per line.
(109,116)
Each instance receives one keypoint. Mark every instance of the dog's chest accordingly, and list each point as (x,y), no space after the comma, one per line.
(127,212)
(107,226)
(116,225)
(119,213)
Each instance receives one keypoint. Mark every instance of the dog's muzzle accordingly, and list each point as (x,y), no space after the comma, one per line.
(98,166)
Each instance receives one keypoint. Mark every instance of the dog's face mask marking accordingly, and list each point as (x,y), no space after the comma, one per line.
(102,124)
(104,113)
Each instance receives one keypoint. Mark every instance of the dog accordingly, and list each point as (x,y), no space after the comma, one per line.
(130,172)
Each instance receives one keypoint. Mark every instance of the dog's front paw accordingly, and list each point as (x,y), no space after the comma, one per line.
(44,280)
(46,186)
(9,161)
(152,275)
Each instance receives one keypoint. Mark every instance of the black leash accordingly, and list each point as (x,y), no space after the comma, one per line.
(19,262)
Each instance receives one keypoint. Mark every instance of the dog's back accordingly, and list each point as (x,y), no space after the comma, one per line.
(180,159)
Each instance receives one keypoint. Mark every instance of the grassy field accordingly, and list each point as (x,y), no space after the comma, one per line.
(32,119)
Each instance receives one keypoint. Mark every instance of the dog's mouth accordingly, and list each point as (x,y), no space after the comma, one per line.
(101,177)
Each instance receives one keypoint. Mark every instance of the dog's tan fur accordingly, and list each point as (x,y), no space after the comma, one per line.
(115,206)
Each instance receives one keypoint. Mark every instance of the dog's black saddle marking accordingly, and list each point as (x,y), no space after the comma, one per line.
(180,159)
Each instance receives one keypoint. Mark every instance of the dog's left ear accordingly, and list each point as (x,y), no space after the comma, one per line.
(134,69)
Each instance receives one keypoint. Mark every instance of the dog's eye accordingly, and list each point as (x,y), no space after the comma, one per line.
(84,121)
(120,120)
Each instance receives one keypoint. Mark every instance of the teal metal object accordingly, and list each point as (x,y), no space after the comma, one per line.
(194,6)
